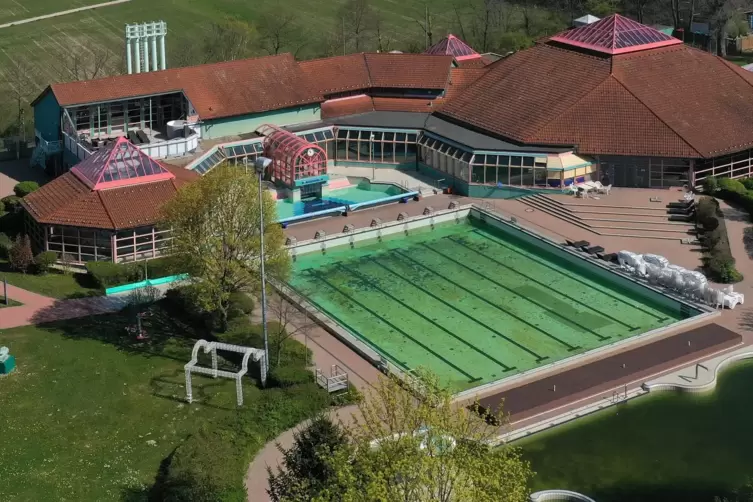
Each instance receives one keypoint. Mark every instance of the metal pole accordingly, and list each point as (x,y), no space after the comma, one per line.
(163,62)
(263,277)
(137,46)
(5,290)
(154,51)
(129,63)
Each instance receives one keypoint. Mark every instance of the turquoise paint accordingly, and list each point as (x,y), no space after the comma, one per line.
(144,284)
(47,117)
(244,124)
(403,166)
(505,192)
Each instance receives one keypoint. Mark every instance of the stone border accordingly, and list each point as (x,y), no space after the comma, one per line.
(719,364)
(559,496)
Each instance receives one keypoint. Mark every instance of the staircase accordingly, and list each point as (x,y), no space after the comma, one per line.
(599,217)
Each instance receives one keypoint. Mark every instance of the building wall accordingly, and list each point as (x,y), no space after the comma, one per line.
(47,117)
(244,124)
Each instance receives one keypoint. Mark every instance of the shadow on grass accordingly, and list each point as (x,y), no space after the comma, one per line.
(165,385)
(168,336)
(658,493)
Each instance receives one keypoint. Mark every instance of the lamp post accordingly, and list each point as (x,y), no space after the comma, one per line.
(371,156)
(261,164)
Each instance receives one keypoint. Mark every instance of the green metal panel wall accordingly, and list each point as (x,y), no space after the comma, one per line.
(244,124)
(47,117)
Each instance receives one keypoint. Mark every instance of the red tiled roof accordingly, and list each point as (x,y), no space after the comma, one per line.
(66,200)
(669,101)
(453,46)
(351,105)
(406,105)
(377,70)
(215,90)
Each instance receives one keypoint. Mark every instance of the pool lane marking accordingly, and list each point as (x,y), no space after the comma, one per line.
(353,331)
(449,305)
(561,273)
(403,304)
(517,344)
(569,347)
(543,284)
(535,302)
(320,277)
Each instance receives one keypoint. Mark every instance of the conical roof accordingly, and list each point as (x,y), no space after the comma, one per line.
(453,46)
(119,164)
(616,35)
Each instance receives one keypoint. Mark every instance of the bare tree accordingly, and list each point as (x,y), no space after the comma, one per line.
(383,35)
(286,322)
(229,40)
(95,62)
(357,16)
(481,22)
(19,85)
(427,24)
(281,33)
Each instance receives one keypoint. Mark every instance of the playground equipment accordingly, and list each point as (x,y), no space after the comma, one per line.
(248,353)
(7,361)
(337,381)
(138,330)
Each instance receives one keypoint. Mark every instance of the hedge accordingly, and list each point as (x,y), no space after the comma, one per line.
(718,262)
(44,260)
(25,188)
(5,244)
(12,203)
(289,375)
(108,274)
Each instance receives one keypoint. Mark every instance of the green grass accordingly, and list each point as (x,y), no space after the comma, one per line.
(658,448)
(742,59)
(11,303)
(90,413)
(52,284)
(13,10)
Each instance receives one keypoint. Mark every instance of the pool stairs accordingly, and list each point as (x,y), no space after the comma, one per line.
(664,223)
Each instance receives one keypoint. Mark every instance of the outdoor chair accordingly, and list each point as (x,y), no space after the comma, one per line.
(570,190)
(142,137)
(604,189)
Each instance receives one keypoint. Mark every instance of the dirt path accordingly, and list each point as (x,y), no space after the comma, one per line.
(62,13)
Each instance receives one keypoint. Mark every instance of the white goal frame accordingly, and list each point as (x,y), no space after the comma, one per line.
(248,353)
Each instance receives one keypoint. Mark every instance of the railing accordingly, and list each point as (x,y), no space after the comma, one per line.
(338,379)
(157,150)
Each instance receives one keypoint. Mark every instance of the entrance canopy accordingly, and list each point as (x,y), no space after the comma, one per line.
(295,161)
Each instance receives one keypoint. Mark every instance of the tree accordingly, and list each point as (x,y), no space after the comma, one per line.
(288,323)
(229,40)
(215,228)
(427,449)
(306,470)
(356,15)
(427,24)
(18,84)
(602,8)
(281,32)
(20,255)
(87,64)
(383,34)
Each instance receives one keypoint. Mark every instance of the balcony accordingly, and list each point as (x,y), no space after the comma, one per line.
(158,144)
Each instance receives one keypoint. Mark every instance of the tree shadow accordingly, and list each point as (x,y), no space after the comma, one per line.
(163,386)
(130,494)
(748,241)
(659,493)
(746,320)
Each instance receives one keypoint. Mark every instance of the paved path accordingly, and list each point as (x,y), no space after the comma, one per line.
(62,13)
(37,309)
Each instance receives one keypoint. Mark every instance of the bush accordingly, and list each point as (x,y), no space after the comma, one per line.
(108,274)
(719,264)
(5,244)
(289,375)
(2,207)
(163,267)
(12,203)
(710,185)
(748,183)
(20,255)
(44,260)
(25,188)
(730,185)
(241,305)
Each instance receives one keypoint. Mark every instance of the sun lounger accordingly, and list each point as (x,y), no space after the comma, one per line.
(594,249)
(142,137)
(133,138)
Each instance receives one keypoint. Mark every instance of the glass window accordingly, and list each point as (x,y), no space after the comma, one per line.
(411,138)
(389,152)
(377,136)
(516,161)
(503,160)
(410,152)
(527,176)
(491,160)
(491,175)
(319,136)
(503,175)
(480,159)
(451,151)
(389,136)
(330,150)
(328,134)
(400,137)
(515,176)
(400,152)
(309,137)
(539,176)
(364,149)
(477,174)
(528,161)
(352,134)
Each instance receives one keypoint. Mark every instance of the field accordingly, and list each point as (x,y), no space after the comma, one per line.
(43,44)
(472,304)
(90,413)
(657,448)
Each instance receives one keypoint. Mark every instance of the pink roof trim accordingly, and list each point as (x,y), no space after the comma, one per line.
(118,165)
(453,46)
(616,35)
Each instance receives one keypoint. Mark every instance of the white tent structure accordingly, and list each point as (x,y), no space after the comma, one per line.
(584,20)
(248,353)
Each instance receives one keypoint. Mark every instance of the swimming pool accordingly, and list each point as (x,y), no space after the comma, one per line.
(363,192)
(474,303)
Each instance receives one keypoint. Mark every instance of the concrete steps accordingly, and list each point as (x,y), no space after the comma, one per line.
(618,221)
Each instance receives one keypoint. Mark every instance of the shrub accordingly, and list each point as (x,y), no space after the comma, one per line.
(710,185)
(163,267)
(20,255)
(25,188)
(44,260)
(730,185)
(289,375)
(12,203)
(5,244)
(2,207)
(241,305)
(748,183)
(108,274)
(719,264)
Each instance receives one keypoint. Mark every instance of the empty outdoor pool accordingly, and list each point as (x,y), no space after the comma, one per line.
(473,303)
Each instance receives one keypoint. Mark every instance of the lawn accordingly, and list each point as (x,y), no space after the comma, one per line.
(90,413)
(53,284)
(658,448)
(14,10)
(11,303)
(742,59)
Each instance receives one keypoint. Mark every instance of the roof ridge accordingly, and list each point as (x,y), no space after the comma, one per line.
(656,115)
(368,69)
(107,209)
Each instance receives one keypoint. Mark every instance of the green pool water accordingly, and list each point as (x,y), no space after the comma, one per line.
(663,447)
(363,192)
(470,303)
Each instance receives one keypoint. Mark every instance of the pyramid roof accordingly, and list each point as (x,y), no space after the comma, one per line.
(453,46)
